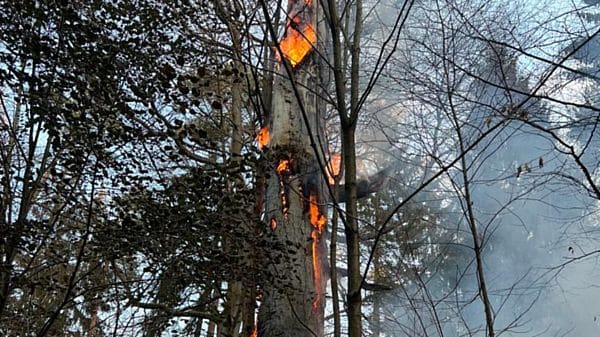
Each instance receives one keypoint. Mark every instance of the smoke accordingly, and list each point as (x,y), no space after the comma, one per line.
(536,222)
(533,223)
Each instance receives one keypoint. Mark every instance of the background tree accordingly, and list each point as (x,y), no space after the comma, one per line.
(133,192)
(104,96)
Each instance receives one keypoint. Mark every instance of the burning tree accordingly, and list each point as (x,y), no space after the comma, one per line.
(296,269)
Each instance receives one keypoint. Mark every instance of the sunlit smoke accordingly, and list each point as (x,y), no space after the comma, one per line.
(334,167)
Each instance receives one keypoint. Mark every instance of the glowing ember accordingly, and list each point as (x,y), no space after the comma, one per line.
(300,36)
(273,224)
(283,170)
(283,167)
(263,137)
(318,222)
(333,167)
(285,207)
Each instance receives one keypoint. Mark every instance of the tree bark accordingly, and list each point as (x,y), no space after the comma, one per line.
(352,235)
(295,262)
(292,303)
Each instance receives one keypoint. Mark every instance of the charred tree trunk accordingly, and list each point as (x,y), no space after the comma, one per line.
(295,262)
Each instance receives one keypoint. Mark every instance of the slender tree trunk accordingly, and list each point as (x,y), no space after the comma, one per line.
(93,325)
(240,303)
(483,292)
(471,219)
(212,327)
(352,235)
(375,323)
(335,298)
(348,118)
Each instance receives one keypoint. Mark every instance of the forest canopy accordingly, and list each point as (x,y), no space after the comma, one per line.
(300,168)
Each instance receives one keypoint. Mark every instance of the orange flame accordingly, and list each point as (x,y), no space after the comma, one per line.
(254,332)
(273,224)
(333,167)
(318,222)
(263,137)
(283,167)
(316,267)
(300,36)
(317,219)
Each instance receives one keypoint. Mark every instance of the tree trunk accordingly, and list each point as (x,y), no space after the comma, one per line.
(352,235)
(295,261)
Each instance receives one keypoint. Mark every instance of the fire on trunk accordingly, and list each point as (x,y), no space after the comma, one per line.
(283,166)
(318,222)
(263,137)
(300,35)
(294,193)
(273,224)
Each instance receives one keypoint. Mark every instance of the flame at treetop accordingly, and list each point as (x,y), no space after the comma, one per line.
(273,224)
(263,137)
(318,222)
(333,167)
(300,35)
